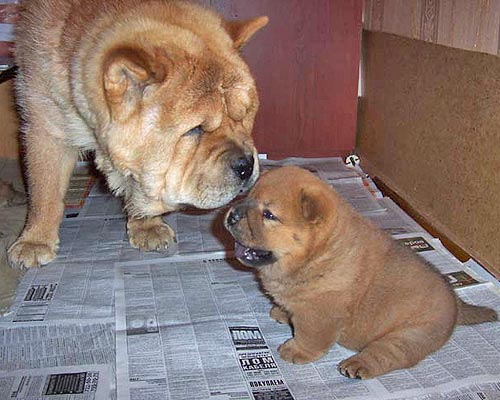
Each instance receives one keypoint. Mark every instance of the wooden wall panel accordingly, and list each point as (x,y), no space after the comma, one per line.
(465,24)
(306,66)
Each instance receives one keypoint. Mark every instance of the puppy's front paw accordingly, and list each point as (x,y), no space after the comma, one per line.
(150,234)
(24,254)
(357,367)
(290,351)
(279,315)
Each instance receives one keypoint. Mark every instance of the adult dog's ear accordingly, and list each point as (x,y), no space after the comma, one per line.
(127,73)
(316,205)
(242,31)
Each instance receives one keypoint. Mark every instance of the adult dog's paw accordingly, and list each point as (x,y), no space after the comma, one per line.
(150,234)
(24,254)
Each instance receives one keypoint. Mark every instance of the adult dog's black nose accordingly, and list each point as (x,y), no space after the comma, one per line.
(243,167)
(234,216)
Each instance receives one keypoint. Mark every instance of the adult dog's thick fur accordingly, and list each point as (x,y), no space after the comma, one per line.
(337,278)
(156,88)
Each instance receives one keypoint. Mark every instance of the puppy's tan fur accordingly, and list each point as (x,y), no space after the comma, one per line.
(337,278)
(129,79)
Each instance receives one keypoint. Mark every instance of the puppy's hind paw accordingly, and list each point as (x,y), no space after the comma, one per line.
(355,368)
(25,254)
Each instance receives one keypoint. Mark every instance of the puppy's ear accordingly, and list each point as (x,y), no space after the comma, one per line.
(315,205)
(127,72)
(242,31)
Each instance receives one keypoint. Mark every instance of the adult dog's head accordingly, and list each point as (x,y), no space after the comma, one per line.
(286,219)
(179,108)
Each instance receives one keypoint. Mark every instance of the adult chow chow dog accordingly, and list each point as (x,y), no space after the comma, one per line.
(156,88)
(335,277)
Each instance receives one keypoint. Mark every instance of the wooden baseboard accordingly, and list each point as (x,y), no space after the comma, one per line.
(456,250)
(459,252)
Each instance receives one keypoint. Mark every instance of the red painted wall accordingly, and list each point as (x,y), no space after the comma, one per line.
(306,64)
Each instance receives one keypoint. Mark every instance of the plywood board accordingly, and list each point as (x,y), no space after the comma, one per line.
(9,123)
(429,124)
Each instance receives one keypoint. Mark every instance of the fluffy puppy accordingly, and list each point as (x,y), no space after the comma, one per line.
(335,277)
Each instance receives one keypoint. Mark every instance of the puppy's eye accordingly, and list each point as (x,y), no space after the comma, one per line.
(269,215)
(196,131)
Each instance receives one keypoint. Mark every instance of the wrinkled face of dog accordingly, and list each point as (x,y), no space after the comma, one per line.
(180,127)
(283,219)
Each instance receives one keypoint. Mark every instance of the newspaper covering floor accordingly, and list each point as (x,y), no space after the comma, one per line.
(107,321)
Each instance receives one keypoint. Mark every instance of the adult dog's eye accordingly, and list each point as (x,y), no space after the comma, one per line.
(269,215)
(196,131)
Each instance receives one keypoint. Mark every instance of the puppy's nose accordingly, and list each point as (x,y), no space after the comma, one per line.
(234,216)
(243,167)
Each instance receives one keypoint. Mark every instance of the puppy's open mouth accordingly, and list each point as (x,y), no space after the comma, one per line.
(252,257)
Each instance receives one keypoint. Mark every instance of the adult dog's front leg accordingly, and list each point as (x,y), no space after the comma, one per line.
(49,164)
